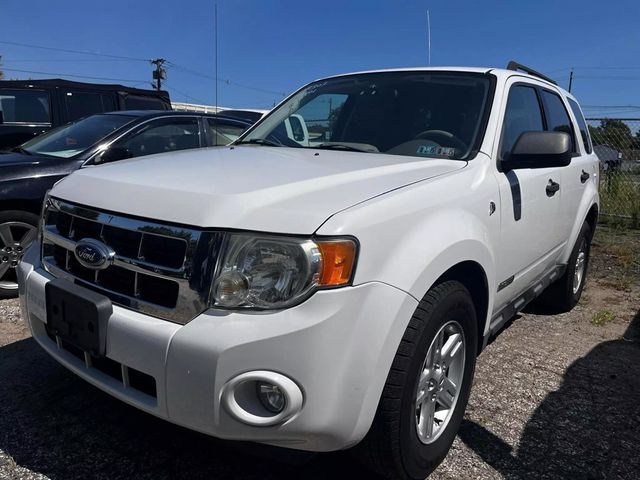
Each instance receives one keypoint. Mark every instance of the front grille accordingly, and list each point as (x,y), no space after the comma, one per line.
(159,269)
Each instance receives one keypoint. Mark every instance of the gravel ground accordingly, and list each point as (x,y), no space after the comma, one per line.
(554,397)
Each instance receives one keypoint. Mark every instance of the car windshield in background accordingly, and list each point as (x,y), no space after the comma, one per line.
(76,137)
(421,114)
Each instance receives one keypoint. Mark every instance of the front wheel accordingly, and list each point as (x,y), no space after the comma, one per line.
(427,389)
(17,231)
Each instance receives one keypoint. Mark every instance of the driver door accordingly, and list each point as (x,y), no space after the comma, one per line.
(531,237)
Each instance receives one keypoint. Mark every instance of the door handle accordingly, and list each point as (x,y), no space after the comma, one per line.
(552,188)
(584,177)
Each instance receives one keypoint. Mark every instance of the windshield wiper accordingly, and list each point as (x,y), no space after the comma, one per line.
(342,146)
(259,141)
(21,150)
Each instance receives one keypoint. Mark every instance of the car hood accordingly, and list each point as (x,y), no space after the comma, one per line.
(16,159)
(273,189)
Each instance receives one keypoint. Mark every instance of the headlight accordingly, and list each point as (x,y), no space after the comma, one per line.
(271,272)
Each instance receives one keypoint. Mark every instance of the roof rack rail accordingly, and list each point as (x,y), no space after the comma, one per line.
(518,66)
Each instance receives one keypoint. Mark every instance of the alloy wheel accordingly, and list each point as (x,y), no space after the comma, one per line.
(15,238)
(440,382)
(578,274)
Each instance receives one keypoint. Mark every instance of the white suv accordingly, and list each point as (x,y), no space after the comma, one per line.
(327,295)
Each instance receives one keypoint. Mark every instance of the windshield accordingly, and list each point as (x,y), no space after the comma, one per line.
(76,137)
(422,114)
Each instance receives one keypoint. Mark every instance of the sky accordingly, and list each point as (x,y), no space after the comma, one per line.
(269,48)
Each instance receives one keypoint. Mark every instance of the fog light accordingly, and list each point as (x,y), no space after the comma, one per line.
(271,397)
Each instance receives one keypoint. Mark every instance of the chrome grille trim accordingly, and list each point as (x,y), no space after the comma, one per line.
(193,278)
(139,305)
(135,265)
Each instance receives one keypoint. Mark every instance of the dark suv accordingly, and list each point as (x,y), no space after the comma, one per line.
(31,107)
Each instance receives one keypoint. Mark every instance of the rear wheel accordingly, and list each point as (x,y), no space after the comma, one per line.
(427,389)
(17,231)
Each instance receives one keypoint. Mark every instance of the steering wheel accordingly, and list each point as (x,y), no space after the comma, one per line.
(442,138)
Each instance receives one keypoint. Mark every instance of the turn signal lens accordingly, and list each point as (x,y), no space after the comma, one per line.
(338,259)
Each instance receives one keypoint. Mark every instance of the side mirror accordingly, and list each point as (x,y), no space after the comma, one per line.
(539,150)
(113,154)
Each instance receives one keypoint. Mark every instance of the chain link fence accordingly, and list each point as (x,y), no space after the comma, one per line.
(617,144)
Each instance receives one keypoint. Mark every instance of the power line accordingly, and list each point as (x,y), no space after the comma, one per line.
(126,58)
(607,107)
(68,60)
(73,75)
(80,52)
(224,81)
(184,94)
(607,77)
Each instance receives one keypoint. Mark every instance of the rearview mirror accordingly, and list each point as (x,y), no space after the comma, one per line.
(539,150)
(113,154)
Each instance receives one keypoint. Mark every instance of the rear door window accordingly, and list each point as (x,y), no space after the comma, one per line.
(163,135)
(25,106)
(557,116)
(584,130)
(223,132)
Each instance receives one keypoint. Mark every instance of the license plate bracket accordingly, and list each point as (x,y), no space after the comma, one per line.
(78,315)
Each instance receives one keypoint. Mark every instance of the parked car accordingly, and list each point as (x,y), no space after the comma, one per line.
(610,158)
(320,297)
(27,172)
(32,107)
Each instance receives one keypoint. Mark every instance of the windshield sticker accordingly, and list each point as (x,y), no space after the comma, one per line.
(435,150)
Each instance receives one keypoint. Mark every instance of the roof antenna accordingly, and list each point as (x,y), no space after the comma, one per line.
(429,35)
(216,52)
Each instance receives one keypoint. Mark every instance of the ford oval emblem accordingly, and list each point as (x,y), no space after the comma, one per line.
(93,254)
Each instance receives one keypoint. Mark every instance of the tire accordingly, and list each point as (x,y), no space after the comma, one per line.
(17,230)
(393,447)
(562,295)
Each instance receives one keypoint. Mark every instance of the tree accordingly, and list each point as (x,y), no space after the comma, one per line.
(615,133)
(1,72)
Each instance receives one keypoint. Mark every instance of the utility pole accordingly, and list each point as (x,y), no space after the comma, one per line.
(570,80)
(159,73)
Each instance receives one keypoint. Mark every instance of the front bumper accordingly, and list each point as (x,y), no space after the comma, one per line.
(337,347)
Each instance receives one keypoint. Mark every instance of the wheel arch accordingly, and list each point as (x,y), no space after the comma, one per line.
(31,206)
(588,212)
(471,274)
(592,217)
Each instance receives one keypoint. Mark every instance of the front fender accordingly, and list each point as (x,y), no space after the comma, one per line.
(429,245)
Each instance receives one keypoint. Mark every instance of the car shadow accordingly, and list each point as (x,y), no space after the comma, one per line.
(588,429)
(54,423)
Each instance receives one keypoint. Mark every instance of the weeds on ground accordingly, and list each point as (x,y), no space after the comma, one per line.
(615,257)
(602,317)
(620,195)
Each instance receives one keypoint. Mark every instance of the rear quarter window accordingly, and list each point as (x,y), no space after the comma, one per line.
(582,124)
(140,102)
